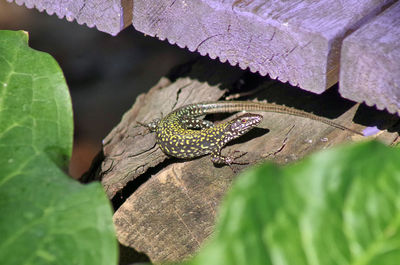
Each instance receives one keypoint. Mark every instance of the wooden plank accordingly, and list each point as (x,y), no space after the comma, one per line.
(171,214)
(109,16)
(370,62)
(297,42)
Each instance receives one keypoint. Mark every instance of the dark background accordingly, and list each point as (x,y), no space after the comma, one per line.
(105,74)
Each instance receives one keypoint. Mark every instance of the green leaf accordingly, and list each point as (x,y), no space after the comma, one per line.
(341,206)
(46,217)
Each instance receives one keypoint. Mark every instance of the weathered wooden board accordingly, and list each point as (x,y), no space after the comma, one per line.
(171,214)
(370,62)
(297,41)
(110,16)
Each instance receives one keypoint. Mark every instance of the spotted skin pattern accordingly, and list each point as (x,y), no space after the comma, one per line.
(182,134)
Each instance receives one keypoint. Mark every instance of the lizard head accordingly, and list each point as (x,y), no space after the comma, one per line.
(244,123)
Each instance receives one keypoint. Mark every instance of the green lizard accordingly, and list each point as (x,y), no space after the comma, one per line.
(182,134)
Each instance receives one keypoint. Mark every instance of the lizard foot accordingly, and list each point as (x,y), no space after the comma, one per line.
(228,160)
(231,159)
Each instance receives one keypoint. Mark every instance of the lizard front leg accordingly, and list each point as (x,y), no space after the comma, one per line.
(217,158)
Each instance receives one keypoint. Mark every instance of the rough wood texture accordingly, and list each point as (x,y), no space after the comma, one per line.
(370,62)
(297,42)
(110,16)
(171,214)
(129,149)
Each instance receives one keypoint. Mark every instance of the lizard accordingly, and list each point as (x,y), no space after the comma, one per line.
(183,134)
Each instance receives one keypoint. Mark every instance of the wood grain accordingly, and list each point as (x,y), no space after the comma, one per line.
(370,63)
(170,216)
(298,42)
(109,16)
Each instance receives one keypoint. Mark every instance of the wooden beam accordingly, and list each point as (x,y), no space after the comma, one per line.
(298,42)
(109,16)
(370,62)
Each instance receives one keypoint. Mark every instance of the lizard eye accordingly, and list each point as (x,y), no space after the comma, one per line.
(244,120)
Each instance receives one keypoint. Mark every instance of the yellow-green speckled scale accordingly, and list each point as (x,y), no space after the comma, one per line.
(181,134)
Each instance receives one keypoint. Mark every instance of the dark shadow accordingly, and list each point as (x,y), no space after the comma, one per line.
(129,256)
(328,104)
(207,70)
(93,172)
(383,120)
(121,196)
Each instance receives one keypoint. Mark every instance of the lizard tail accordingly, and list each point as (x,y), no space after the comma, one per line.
(235,106)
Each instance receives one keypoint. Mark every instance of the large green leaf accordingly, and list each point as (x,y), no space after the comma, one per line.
(45,217)
(341,206)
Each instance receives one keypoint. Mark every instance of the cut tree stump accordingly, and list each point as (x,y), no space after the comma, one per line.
(172,212)
(130,150)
